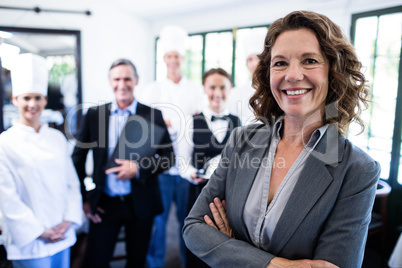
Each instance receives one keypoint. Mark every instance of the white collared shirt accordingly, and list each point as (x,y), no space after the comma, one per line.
(186,144)
(117,121)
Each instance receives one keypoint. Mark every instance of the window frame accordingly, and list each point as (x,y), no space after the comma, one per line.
(397,134)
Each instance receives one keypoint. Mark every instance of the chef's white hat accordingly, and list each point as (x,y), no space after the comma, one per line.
(174,38)
(254,43)
(29,74)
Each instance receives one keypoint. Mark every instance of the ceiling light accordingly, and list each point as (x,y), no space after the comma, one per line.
(7,54)
(5,34)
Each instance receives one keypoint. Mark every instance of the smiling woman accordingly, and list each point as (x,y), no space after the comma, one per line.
(30,106)
(308,201)
(299,74)
(39,213)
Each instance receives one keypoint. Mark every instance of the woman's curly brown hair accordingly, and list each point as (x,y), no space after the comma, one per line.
(347,91)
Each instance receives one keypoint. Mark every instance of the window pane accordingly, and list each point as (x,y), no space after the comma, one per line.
(365,36)
(365,41)
(218,51)
(384,159)
(161,71)
(380,144)
(389,38)
(192,66)
(382,118)
(242,74)
(385,82)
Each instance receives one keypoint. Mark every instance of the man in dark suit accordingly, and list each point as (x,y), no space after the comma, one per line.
(127,194)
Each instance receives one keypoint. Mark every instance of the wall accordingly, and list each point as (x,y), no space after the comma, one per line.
(112,32)
(265,12)
(109,33)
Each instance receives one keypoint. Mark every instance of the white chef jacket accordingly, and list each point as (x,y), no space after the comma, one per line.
(39,189)
(238,103)
(177,102)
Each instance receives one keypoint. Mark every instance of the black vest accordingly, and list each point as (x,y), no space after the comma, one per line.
(205,144)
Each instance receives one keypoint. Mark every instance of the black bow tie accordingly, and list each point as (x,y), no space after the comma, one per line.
(213,118)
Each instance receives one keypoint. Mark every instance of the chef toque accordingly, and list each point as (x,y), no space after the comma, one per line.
(173,38)
(29,74)
(254,43)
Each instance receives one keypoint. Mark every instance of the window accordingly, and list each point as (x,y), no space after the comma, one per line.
(61,48)
(212,50)
(242,73)
(377,38)
(219,51)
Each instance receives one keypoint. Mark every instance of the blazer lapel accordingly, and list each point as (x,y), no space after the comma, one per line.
(142,110)
(314,180)
(246,170)
(103,121)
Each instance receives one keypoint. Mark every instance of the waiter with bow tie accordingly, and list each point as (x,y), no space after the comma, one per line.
(206,138)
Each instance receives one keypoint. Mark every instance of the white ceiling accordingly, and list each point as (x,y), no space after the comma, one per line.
(150,10)
(153,10)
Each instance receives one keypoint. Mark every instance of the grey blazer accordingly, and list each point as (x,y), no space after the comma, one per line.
(326,216)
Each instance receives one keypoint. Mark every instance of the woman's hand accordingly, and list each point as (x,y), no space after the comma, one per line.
(55,234)
(285,263)
(62,227)
(218,210)
(51,236)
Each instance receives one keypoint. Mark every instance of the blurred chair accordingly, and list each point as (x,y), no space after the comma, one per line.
(395,259)
(378,224)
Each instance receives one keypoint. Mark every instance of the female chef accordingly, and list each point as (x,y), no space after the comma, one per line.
(39,189)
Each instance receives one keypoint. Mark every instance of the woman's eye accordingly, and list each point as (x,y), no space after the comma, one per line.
(27,98)
(311,61)
(279,63)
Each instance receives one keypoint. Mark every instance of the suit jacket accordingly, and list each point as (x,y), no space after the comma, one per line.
(326,216)
(94,133)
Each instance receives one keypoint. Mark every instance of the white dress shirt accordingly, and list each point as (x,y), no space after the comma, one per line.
(117,121)
(39,189)
(186,145)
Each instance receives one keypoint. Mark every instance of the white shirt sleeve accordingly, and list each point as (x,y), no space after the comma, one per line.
(74,212)
(185,148)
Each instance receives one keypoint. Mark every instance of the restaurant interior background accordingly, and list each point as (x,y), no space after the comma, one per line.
(80,39)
